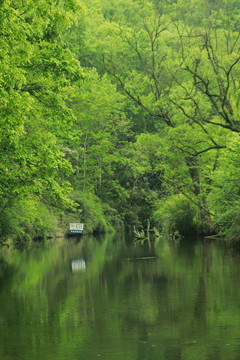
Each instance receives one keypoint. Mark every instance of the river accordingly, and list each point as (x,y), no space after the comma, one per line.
(112,298)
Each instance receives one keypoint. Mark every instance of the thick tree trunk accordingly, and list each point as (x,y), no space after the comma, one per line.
(84,163)
(207,224)
(194,170)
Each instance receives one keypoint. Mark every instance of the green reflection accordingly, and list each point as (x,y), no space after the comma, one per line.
(181,304)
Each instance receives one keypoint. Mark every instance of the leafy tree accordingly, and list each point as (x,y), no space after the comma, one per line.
(180,67)
(156,117)
(37,75)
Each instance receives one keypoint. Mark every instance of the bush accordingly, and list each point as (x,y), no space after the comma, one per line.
(25,220)
(96,216)
(177,214)
(229,224)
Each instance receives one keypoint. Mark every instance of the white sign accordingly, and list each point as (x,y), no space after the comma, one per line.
(76,226)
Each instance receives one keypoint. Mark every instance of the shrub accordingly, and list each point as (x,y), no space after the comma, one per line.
(177,214)
(96,216)
(25,220)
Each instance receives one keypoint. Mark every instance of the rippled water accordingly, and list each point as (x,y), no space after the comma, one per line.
(111,298)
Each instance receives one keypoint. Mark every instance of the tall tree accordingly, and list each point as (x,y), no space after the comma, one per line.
(37,74)
(180,67)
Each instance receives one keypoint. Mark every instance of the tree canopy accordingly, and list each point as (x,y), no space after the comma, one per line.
(122,106)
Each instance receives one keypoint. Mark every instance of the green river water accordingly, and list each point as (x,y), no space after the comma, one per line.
(111,298)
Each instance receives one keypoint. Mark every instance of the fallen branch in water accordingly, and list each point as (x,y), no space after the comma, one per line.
(142,258)
(138,234)
(216,236)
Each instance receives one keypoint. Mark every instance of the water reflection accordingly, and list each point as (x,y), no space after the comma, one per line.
(167,303)
(78,265)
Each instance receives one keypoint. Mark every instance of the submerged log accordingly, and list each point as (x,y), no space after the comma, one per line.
(142,258)
(215,236)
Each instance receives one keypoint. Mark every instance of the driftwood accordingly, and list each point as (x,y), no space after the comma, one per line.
(142,258)
(215,236)
(139,234)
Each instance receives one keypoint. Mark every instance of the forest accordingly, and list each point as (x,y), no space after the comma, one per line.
(119,113)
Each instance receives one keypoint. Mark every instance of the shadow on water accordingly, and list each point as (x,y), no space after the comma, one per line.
(83,298)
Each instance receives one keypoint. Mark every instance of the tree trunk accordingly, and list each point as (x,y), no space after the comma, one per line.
(84,163)
(195,173)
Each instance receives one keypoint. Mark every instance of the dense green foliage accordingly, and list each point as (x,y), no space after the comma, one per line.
(119,112)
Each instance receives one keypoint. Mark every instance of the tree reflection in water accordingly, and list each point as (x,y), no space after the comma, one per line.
(173,302)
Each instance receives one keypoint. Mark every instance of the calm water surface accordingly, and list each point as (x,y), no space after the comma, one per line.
(110,298)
